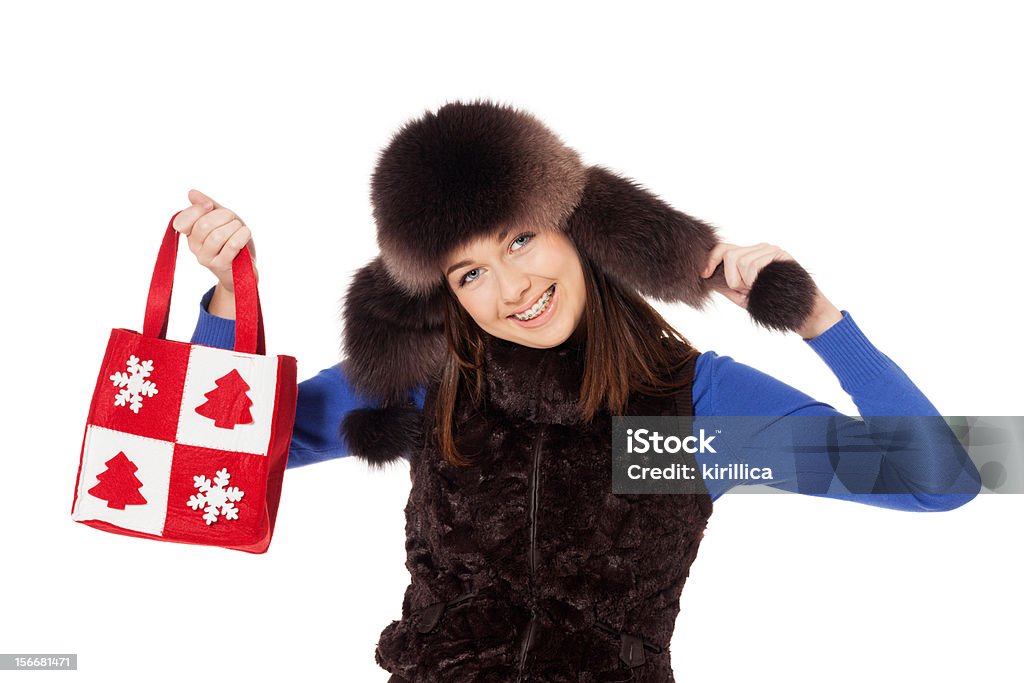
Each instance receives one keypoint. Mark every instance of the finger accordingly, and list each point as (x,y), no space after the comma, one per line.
(212,221)
(223,260)
(738,298)
(730,266)
(737,265)
(186,218)
(758,262)
(757,265)
(215,242)
(750,263)
(715,257)
(197,197)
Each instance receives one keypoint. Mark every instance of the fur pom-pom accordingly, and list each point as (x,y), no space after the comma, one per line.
(383,435)
(782,296)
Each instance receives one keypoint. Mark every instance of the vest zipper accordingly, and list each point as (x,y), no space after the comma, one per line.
(534,500)
(527,642)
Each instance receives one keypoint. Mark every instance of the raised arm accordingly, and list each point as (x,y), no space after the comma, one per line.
(215,236)
(904,464)
(912,462)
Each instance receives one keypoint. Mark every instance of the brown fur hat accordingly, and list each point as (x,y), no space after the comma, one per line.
(461,172)
(458,174)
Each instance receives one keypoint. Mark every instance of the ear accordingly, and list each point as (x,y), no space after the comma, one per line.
(646,245)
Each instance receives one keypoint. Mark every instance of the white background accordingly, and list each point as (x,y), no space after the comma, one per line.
(880,144)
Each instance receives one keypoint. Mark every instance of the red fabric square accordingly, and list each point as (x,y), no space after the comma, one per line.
(140,384)
(210,510)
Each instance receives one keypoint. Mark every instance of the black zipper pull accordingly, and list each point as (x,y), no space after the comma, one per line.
(632,650)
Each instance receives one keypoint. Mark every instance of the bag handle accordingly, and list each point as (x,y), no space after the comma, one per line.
(249,337)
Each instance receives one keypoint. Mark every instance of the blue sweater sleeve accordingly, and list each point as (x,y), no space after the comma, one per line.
(857,464)
(322,402)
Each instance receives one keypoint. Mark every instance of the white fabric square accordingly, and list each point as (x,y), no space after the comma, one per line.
(143,472)
(215,383)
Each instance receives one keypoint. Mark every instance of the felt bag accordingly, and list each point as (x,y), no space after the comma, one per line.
(184,442)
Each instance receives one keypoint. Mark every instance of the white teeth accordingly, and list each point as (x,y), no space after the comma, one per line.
(537,308)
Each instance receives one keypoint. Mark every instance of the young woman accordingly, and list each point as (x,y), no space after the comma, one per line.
(491,342)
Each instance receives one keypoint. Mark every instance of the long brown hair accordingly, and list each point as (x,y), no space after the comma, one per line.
(625,353)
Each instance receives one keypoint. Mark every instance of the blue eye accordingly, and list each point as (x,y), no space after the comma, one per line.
(462,280)
(527,235)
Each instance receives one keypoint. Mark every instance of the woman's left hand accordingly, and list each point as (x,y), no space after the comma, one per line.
(741,266)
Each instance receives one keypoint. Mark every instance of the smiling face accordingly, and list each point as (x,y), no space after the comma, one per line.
(524,287)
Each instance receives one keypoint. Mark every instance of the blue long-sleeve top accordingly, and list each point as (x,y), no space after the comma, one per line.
(936,475)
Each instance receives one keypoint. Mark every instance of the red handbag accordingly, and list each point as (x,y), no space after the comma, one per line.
(184,442)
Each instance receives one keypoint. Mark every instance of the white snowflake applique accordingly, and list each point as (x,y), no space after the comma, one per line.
(134,383)
(216,498)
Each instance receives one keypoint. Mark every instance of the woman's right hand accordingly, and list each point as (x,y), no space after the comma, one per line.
(215,236)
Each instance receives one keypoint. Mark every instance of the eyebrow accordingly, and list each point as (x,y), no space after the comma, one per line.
(460,264)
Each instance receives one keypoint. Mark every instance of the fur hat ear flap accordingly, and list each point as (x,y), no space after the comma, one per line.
(393,342)
(392,339)
(645,244)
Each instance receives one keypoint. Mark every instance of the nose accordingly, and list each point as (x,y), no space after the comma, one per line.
(513,287)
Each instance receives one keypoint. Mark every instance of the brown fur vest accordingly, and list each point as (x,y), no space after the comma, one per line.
(525,567)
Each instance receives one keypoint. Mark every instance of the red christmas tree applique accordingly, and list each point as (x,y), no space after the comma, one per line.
(118,484)
(228,404)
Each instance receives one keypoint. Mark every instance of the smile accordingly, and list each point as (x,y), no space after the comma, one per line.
(538,308)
